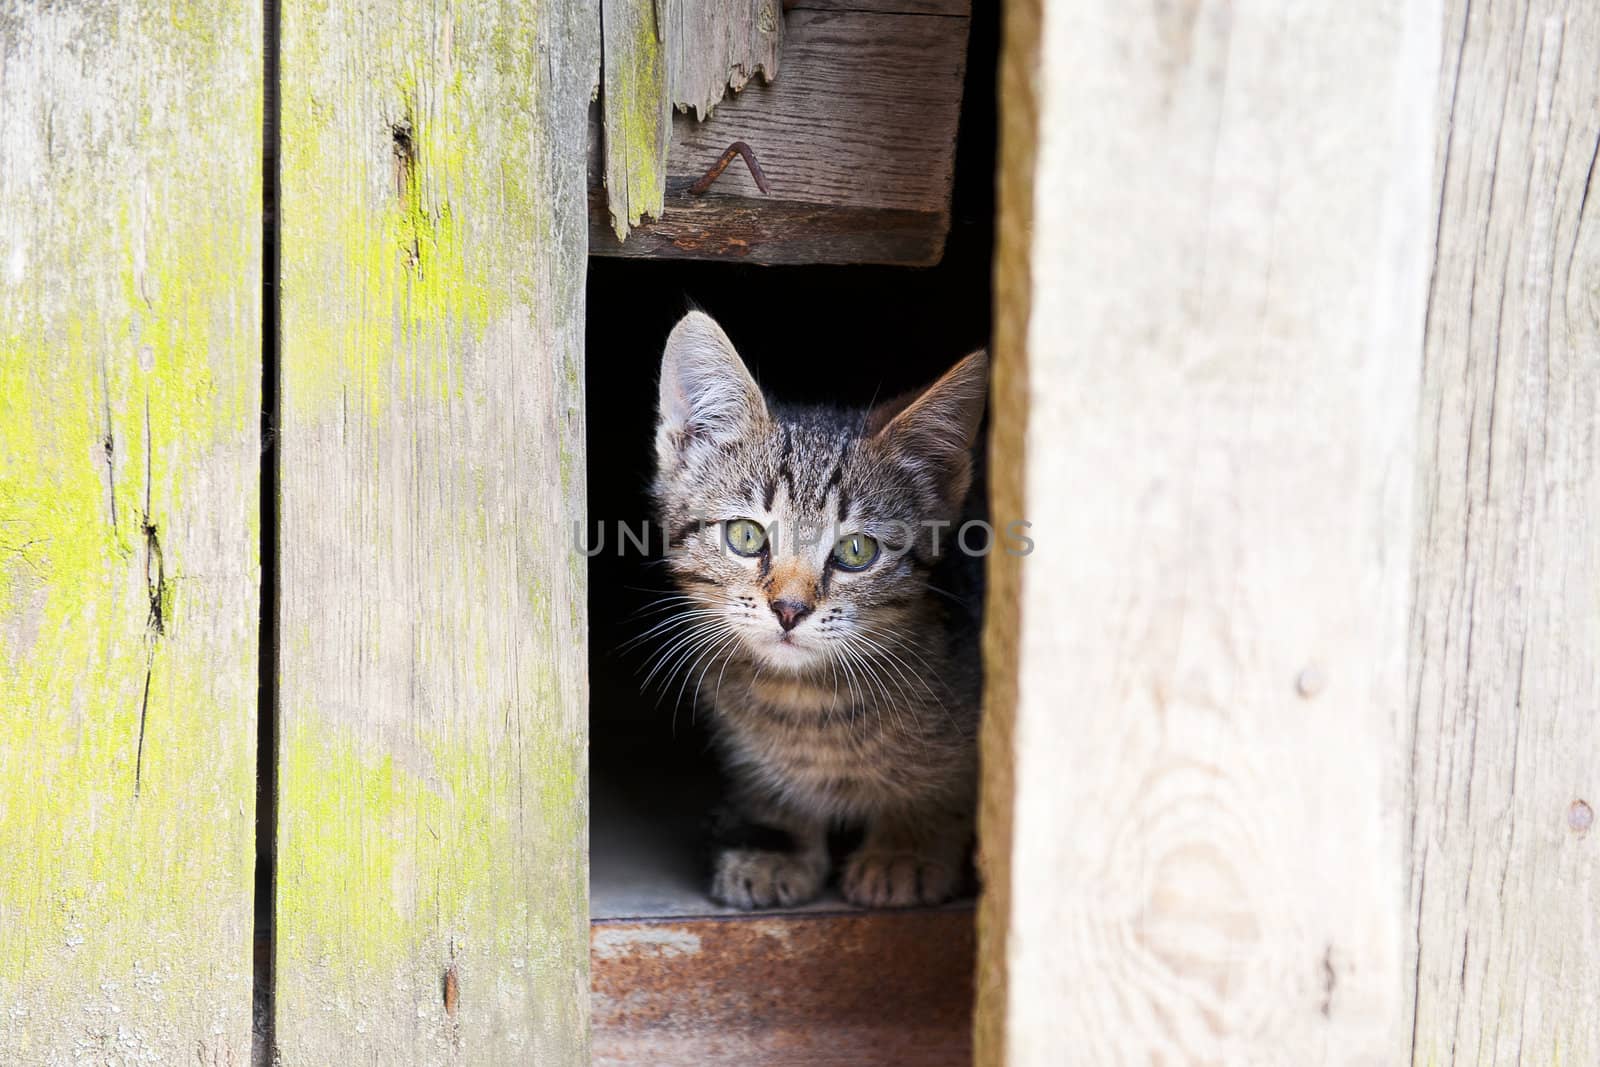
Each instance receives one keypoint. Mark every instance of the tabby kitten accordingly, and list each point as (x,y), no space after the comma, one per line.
(841,677)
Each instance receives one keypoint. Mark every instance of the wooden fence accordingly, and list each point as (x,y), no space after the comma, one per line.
(426,640)
(1294,718)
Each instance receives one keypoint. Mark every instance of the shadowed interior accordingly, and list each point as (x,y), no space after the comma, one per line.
(843,335)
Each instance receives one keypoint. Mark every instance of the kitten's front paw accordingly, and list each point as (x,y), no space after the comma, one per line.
(881,879)
(755,878)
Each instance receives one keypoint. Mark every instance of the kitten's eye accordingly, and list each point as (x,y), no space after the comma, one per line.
(855,551)
(745,536)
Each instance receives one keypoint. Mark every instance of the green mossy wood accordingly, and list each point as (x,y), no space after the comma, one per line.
(130,371)
(433,783)
(636,110)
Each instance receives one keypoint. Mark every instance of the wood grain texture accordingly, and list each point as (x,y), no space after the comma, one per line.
(862,121)
(1505,633)
(841,989)
(1011,365)
(715,45)
(888,7)
(130,374)
(636,109)
(1210,309)
(765,232)
(432,812)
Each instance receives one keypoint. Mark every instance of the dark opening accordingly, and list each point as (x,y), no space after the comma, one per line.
(839,334)
(262,1031)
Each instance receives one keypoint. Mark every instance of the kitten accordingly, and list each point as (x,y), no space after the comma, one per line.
(841,675)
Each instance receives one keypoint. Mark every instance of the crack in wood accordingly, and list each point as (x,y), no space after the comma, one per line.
(405,156)
(155,577)
(144,711)
(109,444)
(155,573)
(155,623)
(1588,182)
(406,186)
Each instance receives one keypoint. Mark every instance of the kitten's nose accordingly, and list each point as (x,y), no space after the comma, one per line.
(789,612)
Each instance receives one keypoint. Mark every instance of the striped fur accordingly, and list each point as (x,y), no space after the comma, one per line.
(866,712)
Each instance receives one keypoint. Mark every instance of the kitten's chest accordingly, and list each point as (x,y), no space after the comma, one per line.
(796,734)
(816,748)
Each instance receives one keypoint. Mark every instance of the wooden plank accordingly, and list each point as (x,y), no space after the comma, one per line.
(715,45)
(862,121)
(432,815)
(636,105)
(1505,633)
(823,989)
(1207,361)
(130,375)
(888,7)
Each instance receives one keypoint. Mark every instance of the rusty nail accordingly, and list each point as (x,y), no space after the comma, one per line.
(737,148)
(1580,816)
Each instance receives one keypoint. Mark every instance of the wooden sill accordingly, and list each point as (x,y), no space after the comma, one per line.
(676,979)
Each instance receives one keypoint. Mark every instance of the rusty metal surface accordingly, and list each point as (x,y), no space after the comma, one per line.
(843,988)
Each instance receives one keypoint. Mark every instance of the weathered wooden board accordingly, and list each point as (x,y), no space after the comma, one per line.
(1505,633)
(1213,253)
(130,375)
(891,7)
(856,139)
(717,45)
(821,989)
(431,843)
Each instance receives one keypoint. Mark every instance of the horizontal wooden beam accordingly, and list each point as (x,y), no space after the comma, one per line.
(818,988)
(887,7)
(783,232)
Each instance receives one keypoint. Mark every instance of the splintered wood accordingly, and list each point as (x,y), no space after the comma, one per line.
(717,45)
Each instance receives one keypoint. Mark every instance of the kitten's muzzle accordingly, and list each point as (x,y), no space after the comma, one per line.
(789,612)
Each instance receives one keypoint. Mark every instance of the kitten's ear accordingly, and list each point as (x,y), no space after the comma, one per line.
(937,428)
(707,395)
